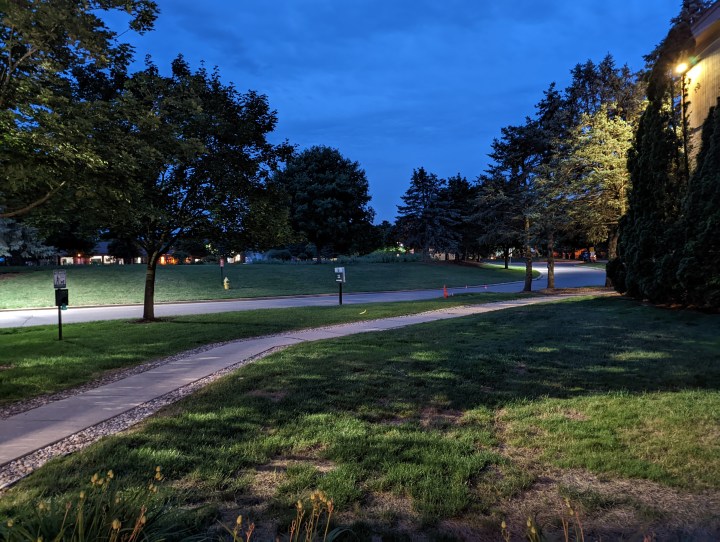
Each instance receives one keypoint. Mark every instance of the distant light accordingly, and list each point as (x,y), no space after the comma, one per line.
(681,68)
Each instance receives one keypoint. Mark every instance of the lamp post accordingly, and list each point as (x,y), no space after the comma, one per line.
(682,69)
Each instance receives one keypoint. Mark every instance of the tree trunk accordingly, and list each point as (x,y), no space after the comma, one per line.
(612,251)
(318,250)
(506,256)
(149,302)
(551,261)
(613,243)
(528,258)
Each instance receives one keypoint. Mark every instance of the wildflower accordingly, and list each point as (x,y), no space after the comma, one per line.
(238,521)
(503,525)
(143,519)
(110,474)
(42,506)
(533,530)
(94,479)
(82,495)
(116,524)
(529,522)
(39,539)
(10,523)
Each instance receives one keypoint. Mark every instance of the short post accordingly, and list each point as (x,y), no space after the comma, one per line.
(61,296)
(340,278)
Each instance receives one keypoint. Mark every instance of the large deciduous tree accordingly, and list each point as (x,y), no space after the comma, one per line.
(196,158)
(329,197)
(51,52)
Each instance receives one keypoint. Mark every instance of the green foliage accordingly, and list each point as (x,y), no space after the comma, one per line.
(598,176)
(668,239)
(328,199)
(102,511)
(20,241)
(59,62)
(427,220)
(697,270)
(196,161)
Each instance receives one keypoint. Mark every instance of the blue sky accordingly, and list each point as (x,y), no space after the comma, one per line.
(399,84)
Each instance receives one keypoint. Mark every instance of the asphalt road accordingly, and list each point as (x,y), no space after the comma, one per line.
(567,275)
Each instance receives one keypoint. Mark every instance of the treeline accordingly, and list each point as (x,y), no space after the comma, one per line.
(556,181)
(606,161)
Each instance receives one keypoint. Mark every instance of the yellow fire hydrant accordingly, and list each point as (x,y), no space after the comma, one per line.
(226,283)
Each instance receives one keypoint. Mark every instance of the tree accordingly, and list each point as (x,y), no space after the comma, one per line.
(697,270)
(19,241)
(507,201)
(196,155)
(329,196)
(461,196)
(600,182)
(427,220)
(51,52)
(649,235)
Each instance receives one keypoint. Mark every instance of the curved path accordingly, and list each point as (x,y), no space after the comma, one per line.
(31,438)
(567,275)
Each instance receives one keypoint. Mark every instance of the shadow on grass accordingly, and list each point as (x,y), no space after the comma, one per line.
(410,411)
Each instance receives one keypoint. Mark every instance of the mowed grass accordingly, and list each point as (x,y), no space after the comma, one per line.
(33,362)
(454,420)
(106,285)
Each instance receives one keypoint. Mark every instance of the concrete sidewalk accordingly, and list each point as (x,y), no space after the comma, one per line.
(40,427)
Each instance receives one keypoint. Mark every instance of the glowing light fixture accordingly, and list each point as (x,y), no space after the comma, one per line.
(681,68)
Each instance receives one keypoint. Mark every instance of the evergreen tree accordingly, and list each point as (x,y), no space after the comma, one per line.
(698,271)
(650,241)
(507,204)
(461,196)
(427,221)
(19,242)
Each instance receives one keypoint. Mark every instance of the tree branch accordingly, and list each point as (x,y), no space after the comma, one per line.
(34,204)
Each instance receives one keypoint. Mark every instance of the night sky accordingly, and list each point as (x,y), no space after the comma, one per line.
(399,84)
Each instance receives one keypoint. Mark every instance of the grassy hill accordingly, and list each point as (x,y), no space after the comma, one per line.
(108,285)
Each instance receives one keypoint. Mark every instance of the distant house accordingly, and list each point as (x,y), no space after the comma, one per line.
(702,78)
(99,255)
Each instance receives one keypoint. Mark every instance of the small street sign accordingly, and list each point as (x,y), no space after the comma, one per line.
(339,274)
(59,278)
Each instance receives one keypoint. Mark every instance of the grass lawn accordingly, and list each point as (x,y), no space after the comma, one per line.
(448,428)
(33,362)
(106,285)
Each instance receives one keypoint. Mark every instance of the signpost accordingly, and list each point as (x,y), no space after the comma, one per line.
(222,271)
(61,296)
(340,278)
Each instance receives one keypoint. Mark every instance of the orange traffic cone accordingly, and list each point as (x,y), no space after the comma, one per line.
(445,294)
